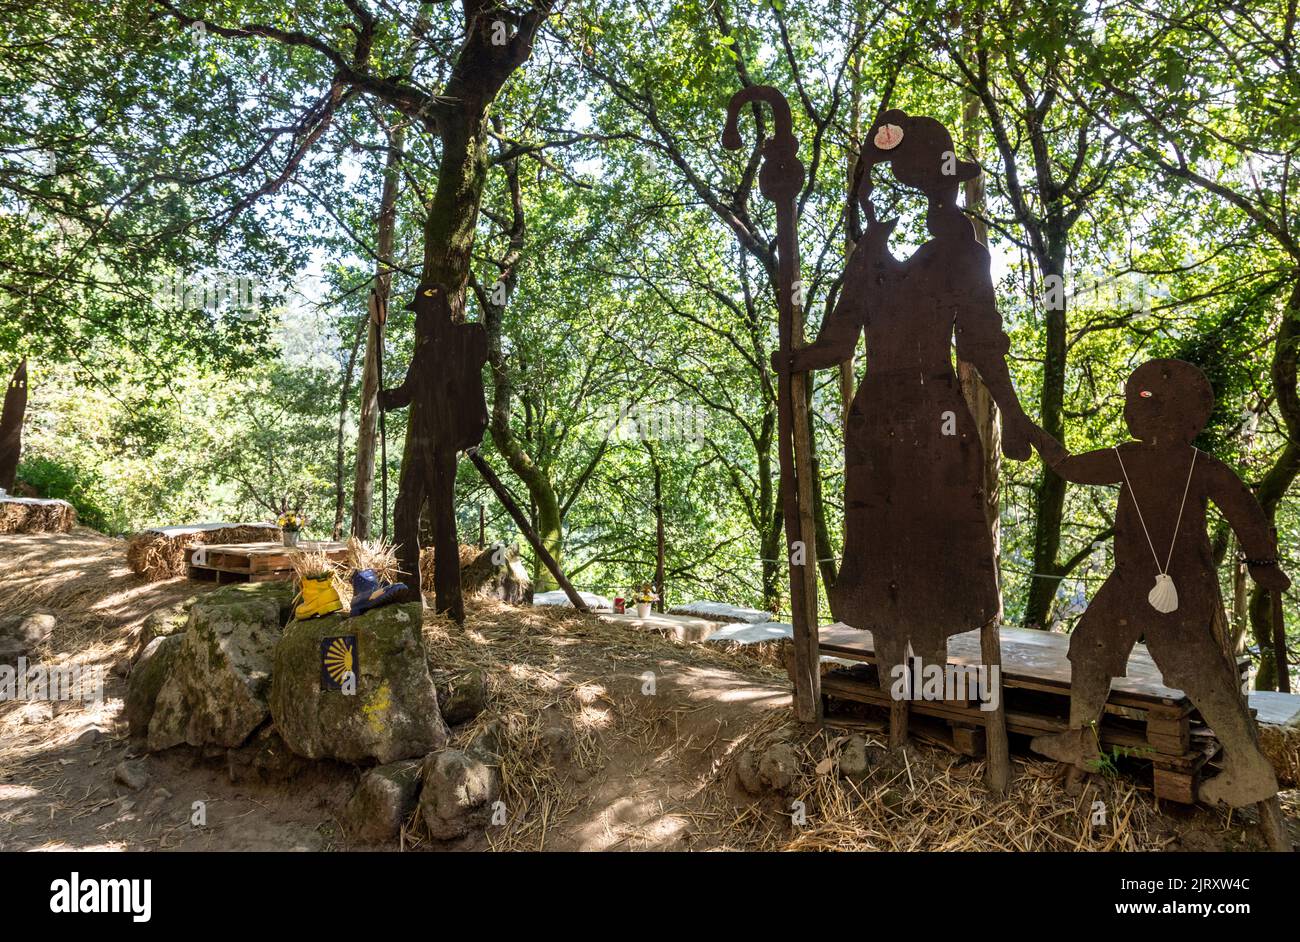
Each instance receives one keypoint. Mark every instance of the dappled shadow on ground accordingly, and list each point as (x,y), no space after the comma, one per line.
(613,739)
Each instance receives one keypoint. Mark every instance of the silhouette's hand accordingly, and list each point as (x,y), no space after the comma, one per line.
(1270,577)
(782,364)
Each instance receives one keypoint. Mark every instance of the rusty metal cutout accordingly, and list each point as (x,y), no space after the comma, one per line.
(918,561)
(1160,527)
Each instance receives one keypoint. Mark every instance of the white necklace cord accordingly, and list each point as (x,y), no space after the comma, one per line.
(1178,523)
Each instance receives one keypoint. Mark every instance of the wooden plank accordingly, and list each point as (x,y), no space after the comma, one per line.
(968,740)
(1179,782)
(1171,785)
(1021,721)
(265,561)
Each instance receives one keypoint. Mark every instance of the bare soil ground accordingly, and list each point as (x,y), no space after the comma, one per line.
(613,740)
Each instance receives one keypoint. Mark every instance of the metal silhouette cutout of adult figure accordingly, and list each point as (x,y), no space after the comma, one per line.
(445,375)
(918,563)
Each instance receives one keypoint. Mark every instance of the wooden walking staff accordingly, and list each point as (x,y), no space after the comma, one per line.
(780,179)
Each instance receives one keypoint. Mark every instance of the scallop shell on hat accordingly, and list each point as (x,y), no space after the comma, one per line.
(888,136)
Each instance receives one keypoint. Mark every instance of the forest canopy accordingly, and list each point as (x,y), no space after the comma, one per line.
(202,203)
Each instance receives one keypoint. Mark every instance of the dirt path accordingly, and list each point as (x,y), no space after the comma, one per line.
(615,740)
(57,788)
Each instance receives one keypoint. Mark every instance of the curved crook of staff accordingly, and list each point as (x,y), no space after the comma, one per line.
(780,179)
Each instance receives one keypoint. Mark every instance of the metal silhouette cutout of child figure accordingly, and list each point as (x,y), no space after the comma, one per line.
(1164,587)
(918,563)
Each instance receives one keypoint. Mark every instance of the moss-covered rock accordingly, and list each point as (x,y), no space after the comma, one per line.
(392,712)
(146,680)
(219,678)
(384,798)
(281,593)
(162,624)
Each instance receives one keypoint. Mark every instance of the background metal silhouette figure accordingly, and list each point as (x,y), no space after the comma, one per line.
(446,373)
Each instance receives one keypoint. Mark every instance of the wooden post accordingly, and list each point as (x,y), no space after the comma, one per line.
(984,411)
(526,528)
(780,180)
(482,528)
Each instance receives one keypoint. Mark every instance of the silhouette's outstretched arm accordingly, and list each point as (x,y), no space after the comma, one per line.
(836,340)
(1091,467)
(1247,519)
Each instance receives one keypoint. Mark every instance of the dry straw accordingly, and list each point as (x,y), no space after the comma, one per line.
(467,554)
(557,719)
(377,555)
(157,556)
(51,517)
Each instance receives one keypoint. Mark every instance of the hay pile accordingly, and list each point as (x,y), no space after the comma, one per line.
(377,555)
(927,799)
(160,554)
(467,556)
(1281,746)
(36,515)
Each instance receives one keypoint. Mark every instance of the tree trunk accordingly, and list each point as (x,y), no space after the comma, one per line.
(363,489)
(1049,495)
(482,67)
(982,407)
(11,426)
(543,501)
(1273,487)
(340,453)
(660,600)
(846,377)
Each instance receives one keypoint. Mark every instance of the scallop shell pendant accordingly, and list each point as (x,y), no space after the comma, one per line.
(1163,596)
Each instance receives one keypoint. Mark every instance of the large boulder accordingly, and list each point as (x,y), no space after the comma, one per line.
(162,623)
(219,678)
(498,573)
(384,798)
(391,714)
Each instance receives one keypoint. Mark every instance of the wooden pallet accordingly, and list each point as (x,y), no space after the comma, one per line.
(253,562)
(1143,718)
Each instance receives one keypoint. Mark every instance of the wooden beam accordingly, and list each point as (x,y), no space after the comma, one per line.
(526,528)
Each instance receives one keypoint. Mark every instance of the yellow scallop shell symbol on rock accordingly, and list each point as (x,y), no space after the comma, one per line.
(338,660)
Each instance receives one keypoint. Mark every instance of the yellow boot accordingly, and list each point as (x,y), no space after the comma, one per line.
(318,598)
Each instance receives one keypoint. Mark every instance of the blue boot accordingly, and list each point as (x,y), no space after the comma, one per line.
(367,593)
